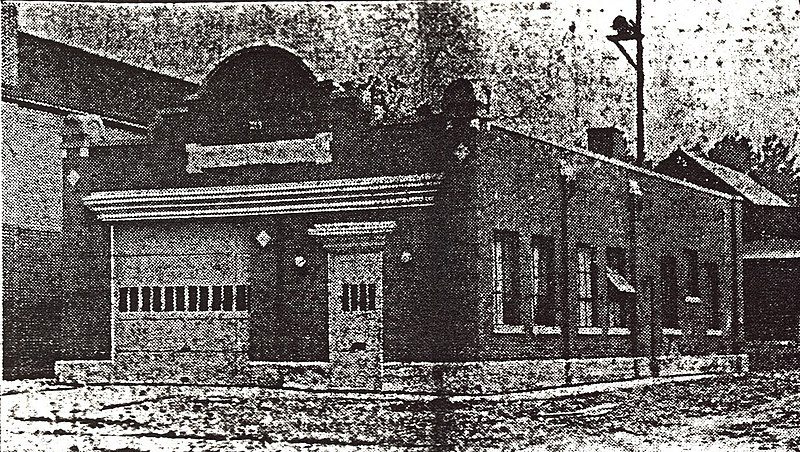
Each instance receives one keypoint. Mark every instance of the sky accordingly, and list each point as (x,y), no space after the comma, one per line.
(713,68)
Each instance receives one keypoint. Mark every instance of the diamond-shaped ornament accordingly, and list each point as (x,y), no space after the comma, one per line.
(73,177)
(461,152)
(633,188)
(263,238)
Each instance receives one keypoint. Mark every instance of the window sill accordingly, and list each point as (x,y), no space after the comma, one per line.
(509,329)
(713,332)
(542,330)
(694,300)
(672,331)
(590,330)
(182,315)
(619,331)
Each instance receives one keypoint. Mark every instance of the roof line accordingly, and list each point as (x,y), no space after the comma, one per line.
(113,59)
(59,109)
(709,166)
(627,166)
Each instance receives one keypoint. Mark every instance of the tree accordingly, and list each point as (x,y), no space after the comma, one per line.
(774,165)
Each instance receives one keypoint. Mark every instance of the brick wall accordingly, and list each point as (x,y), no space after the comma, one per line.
(32,215)
(31,301)
(518,189)
(442,308)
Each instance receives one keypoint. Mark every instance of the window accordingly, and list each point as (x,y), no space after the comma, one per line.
(669,293)
(358,297)
(202,305)
(587,302)
(146,298)
(620,291)
(156,299)
(183,298)
(692,274)
(712,295)
(545,307)
(506,278)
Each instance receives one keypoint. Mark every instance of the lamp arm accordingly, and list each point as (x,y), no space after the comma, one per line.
(625,52)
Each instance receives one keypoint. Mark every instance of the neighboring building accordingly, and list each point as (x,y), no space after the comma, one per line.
(275,233)
(50,92)
(771,246)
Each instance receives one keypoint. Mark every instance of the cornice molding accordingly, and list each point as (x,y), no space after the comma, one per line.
(347,236)
(369,193)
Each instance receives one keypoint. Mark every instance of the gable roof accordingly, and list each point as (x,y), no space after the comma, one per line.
(59,75)
(652,173)
(739,182)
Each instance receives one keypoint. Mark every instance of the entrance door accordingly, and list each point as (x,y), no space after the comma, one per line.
(355,302)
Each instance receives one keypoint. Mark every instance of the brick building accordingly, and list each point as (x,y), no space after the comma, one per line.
(51,90)
(770,249)
(274,231)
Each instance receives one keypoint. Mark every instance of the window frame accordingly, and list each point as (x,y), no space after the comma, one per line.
(713,295)
(669,292)
(692,274)
(358,297)
(505,279)
(543,303)
(181,299)
(619,302)
(586,276)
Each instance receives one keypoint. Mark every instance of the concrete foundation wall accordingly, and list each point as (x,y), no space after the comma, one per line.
(490,377)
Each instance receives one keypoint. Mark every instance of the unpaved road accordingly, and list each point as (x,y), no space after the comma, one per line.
(759,411)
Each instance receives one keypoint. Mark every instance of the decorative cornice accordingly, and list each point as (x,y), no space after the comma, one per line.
(345,236)
(369,193)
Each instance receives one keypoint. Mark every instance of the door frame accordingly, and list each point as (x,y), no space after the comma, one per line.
(355,238)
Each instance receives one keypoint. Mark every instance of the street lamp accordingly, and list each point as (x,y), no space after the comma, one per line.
(632,31)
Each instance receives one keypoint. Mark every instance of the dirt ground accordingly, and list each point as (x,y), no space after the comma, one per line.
(758,411)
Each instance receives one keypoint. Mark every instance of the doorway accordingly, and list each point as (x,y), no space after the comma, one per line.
(355,320)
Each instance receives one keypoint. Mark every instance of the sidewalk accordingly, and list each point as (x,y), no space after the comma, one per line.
(683,413)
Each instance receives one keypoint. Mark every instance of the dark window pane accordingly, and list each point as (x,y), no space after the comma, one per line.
(216,298)
(146,298)
(203,305)
(692,273)
(712,275)
(193,298)
(669,293)
(227,298)
(353,297)
(157,302)
(371,296)
(169,298)
(123,299)
(180,298)
(506,276)
(546,306)
(241,298)
(133,296)
(362,297)
(345,298)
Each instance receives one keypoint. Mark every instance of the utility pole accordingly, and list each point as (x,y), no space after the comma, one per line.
(632,31)
(639,87)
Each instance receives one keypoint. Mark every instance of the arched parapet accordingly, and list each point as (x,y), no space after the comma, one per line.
(259,93)
(258,66)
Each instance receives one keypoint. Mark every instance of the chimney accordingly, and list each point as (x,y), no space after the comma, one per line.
(608,141)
